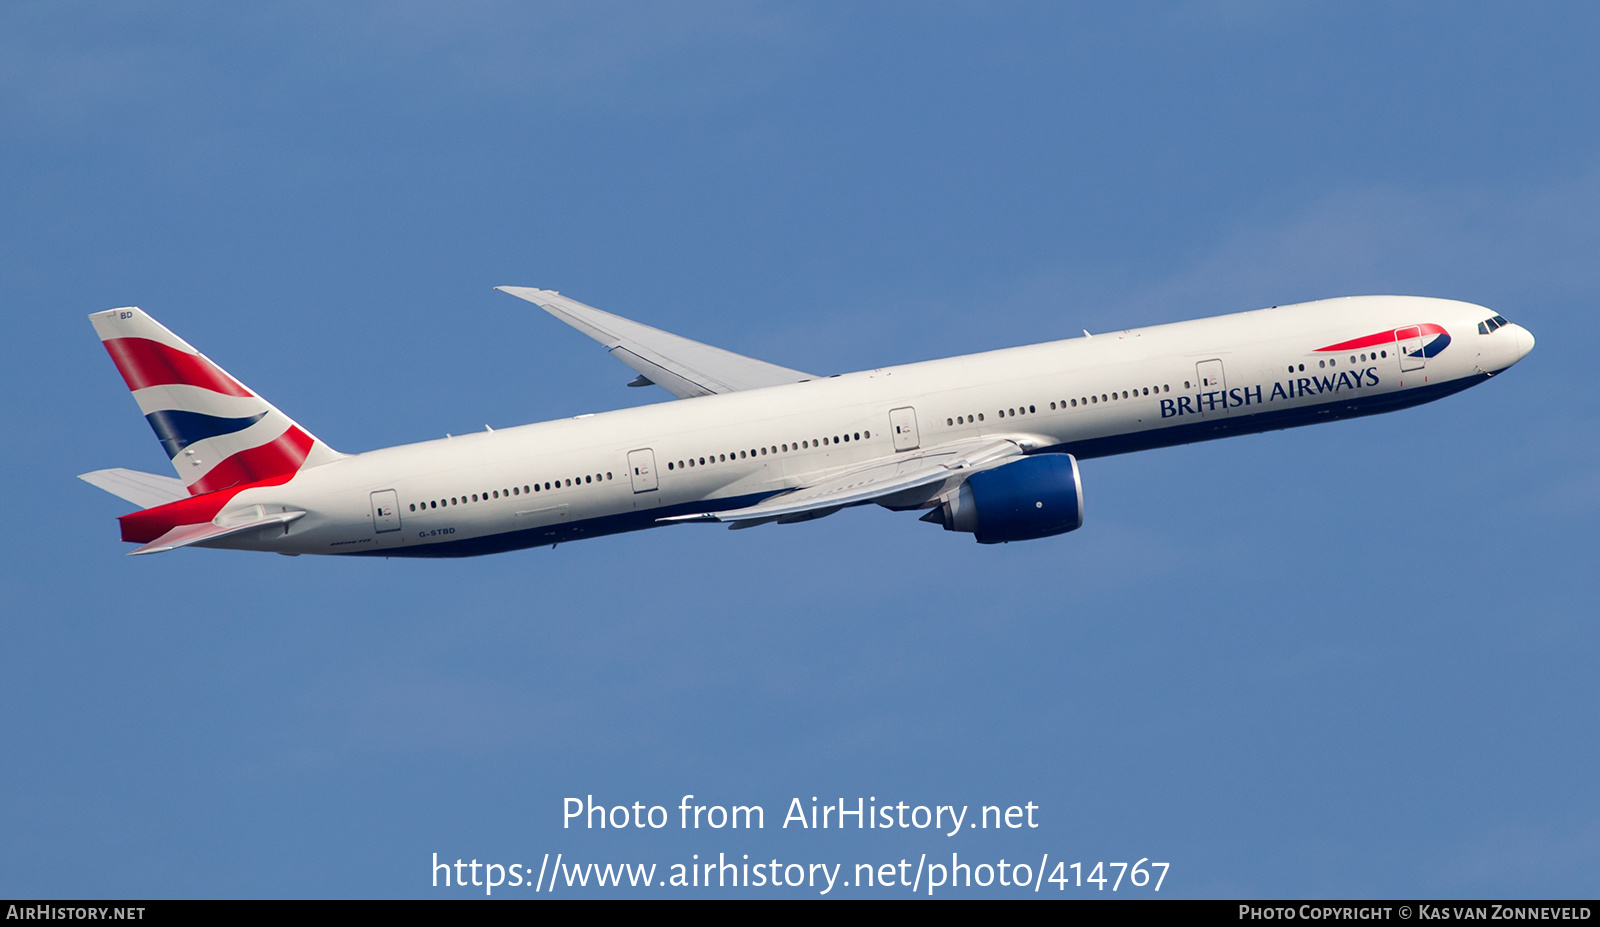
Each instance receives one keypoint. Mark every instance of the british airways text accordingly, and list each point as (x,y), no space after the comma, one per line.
(1241,396)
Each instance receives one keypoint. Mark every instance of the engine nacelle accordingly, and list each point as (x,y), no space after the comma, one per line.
(1034,497)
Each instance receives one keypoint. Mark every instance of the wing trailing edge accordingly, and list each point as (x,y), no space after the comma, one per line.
(905,481)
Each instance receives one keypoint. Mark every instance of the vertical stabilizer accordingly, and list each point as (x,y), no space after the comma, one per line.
(217,432)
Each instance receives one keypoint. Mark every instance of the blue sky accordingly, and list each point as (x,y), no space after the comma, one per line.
(1348,660)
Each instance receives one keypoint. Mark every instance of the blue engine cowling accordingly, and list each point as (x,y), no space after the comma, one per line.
(1034,497)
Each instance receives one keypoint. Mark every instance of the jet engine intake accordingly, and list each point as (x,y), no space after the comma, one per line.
(1034,497)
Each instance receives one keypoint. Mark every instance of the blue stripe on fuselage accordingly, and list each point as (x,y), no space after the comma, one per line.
(178,429)
(1228,426)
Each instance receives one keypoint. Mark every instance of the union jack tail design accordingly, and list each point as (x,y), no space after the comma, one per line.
(215,430)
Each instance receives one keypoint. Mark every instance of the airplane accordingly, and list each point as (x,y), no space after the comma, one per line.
(986,444)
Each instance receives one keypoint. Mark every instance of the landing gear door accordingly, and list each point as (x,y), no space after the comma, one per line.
(642,468)
(1213,392)
(1409,342)
(903,425)
(385,511)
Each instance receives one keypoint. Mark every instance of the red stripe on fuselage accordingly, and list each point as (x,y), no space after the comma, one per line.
(1369,341)
(281,456)
(144,527)
(143,363)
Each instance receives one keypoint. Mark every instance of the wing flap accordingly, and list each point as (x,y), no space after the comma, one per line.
(869,483)
(682,367)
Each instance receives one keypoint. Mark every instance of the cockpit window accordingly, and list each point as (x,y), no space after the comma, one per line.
(1490,324)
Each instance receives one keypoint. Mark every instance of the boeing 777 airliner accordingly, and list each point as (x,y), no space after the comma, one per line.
(986,444)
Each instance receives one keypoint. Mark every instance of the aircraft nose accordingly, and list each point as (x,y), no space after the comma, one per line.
(1524,342)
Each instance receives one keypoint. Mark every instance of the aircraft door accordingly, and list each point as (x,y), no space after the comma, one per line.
(385,511)
(903,425)
(642,467)
(1213,391)
(1409,342)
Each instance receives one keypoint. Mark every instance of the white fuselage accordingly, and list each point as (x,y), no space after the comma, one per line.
(1091,396)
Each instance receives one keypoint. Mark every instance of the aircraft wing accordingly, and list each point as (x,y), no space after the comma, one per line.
(184,535)
(682,367)
(901,475)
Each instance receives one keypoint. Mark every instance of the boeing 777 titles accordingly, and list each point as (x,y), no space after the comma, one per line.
(986,444)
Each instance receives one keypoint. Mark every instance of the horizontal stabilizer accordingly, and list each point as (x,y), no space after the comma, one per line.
(184,535)
(925,469)
(682,367)
(146,490)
